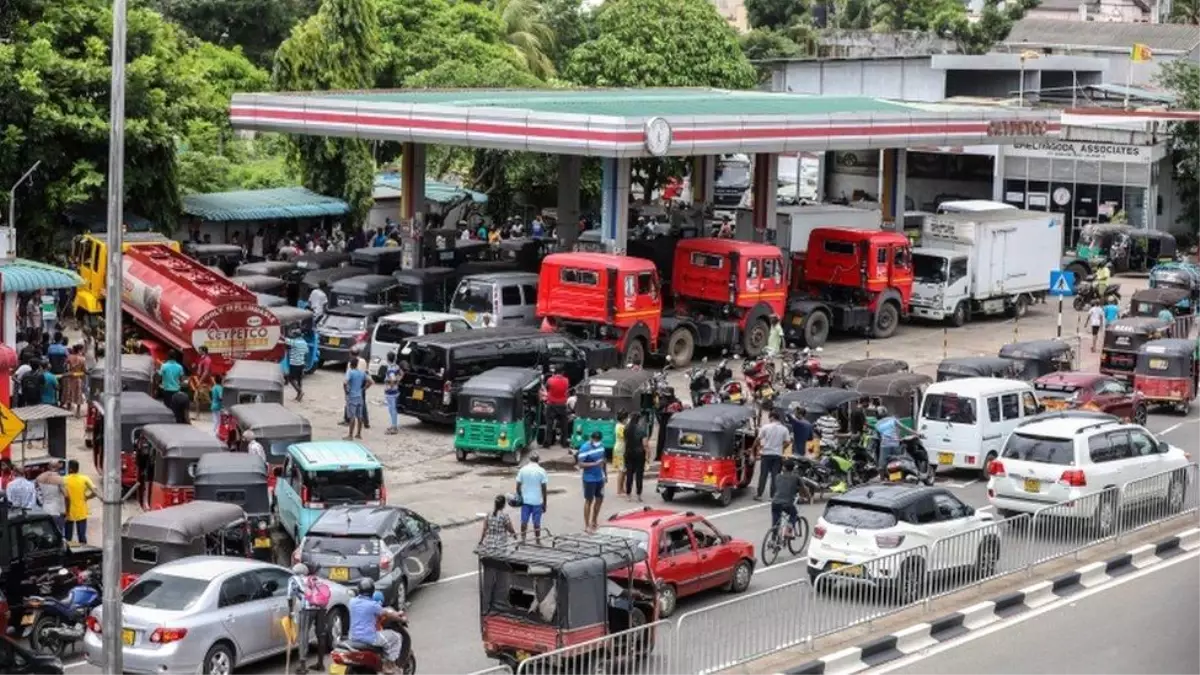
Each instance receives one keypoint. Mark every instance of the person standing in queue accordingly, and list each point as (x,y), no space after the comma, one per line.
(357,383)
(170,377)
(1095,320)
(297,350)
(357,362)
(591,460)
(318,301)
(768,448)
(391,392)
(532,482)
(558,389)
(636,450)
(79,489)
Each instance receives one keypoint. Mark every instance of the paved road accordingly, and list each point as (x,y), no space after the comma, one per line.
(1146,623)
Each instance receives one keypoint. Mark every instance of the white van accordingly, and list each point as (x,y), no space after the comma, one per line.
(497,299)
(393,330)
(965,422)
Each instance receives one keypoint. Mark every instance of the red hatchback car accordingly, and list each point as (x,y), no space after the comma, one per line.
(1091,391)
(687,553)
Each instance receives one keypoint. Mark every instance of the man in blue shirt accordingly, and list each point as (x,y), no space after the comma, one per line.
(297,355)
(365,614)
(1112,311)
(531,484)
(170,378)
(889,429)
(802,430)
(591,460)
(357,384)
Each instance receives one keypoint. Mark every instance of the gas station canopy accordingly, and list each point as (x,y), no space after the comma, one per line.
(628,123)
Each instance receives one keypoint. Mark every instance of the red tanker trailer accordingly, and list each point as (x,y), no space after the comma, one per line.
(187,306)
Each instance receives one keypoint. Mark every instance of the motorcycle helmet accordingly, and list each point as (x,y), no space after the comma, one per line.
(366,587)
(377,596)
(881,412)
(514,500)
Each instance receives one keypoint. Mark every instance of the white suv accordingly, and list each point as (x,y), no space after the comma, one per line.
(1063,457)
(874,521)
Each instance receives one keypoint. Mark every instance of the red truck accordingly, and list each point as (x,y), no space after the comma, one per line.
(724,292)
(601,296)
(849,280)
(185,306)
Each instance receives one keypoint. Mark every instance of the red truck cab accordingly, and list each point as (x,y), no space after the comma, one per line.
(725,292)
(601,296)
(849,280)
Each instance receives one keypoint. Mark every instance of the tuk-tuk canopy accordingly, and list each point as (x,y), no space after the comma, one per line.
(270,301)
(138,408)
(259,283)
(183,523)
(617,383)
(1148,301)
(892,385)
(712,417)
(245,375)
(976,366)
(213,250)
(502,381)
(847,374)
(232,468)
(181,440)
(363,284)
(425,275)
(816,401)
(1037,350)
(331,274)
(1168,357)
(293,317)
(134,368)
(373,254)
(270,420)
(1175,275)
(265,268)
(321,261)
(1119,332)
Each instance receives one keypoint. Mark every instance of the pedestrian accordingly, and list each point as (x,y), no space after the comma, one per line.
(203,369)
(532,485)
(888,426)
(357,362)
(768,449)
(216,396)
(49,387)
(33,382)
(73,382)
(57,353)
(591,460)
(391,392)
(1112,311)
(308,598)
(79,489)
(556,392)
(258,246)
(54,500)
(1165,314)
(253,446)
(774,339)
(802,429)
(618,453)
(858,417)
(21,492)
(498,528)
(1095,320)
(357,383)
(636,450)
(48,304)
(297,350)
(827,429)
(318,301)
(89,359)
(179,404)
(170,377)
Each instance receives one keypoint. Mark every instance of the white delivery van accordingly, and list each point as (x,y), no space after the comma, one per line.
(965,422)
(393,330)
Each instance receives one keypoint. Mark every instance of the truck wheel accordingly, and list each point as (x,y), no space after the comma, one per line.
(887,320)
(635,353)
(755,338)
(816,329)
(1080,271)
(959,317)
(1020,307)
(681,347)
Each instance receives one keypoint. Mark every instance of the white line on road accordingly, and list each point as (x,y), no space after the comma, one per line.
(962,485)
(75,664)
(1173,427)
(984,508)
(456,577)
(1031,614)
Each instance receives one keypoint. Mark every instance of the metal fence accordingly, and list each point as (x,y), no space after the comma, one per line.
(974,556)
(644,650)
(735,631)
(850,595)
(1158,498)
(494,670)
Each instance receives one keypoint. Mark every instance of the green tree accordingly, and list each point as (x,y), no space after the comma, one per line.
(775,14)
(569,22)
(933,16)
(257,26)
(1182,78)
(338,48)
(1185,11)
(528,35)
(992,26)
(763,44)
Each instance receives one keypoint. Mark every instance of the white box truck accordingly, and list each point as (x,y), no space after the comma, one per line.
(988,262)
(795,223)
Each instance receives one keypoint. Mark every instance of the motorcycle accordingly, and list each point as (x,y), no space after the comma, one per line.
(816,476)
(911,465)
(51,625)
(1086,291)
(759,375)
(350,656)
(807,370)
(729,390)
(700,387)
(857,461)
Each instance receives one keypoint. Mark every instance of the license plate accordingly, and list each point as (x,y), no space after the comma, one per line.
(895,476)
(1033,485)
(337,669)
(503,442)
(797,320)
(470,316)
(418,395)
(522,655)
(710,480)
(735,397)
(127,637)
(262,542)
(27,620)
(846,570)
(339,574)
(333,342)
(945,458)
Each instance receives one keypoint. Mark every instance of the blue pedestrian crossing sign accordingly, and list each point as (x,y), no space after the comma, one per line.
(1062,283)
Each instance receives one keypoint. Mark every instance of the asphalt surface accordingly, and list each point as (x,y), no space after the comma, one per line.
(1143,623)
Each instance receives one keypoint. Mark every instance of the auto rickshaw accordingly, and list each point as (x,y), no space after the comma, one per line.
(172,451)
(1123,339)
(329,275)
(1126,248)
(265,268)
(708,450)
(252,382)
(378,259)
(1152,301)
(197,528)
(262,284)
(366,289)
(602,398)
(241,479)
(137,375)
(900,393)
(225,257)
(1168,372)
(471,250)
(275,428)
(568,591)
(311,262)
(1035,358)
(269,301)
(427,289)
(1182,275)
(589,242)
(294,318)
(818,401)
(137,410)
(499,413)
(848,374)
(525,253)
(959,367)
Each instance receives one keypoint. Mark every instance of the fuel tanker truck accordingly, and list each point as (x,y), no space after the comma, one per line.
(184,305)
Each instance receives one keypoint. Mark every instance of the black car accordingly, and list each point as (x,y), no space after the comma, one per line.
(395,547)
(346,327)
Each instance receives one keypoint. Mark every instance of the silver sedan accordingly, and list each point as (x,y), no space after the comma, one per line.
(207,614)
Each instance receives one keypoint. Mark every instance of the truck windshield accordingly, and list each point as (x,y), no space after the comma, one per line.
(930,269)
(736,175)
(473,296)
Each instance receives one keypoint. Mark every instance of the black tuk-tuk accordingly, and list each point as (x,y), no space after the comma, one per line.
(265,268)
(329,275)
(1036,358)
(435,248)
(137,410)
(900,393)
(274,427)
(241,479)
(252,382)
(1123,339)
(1168,372)
(311,262)
(1126,248)
(526,253)
(589,242)
(225,257)
(499,413)
(171,452)
(957,368)
(366,289)
(1185,276)
(427,289)
(262,284)
(817,401)
(1152,301)
(378,259)
(601,398)
(849,373)
(472,250)
(137,375)
(708,450)
(270,301)
(196,528)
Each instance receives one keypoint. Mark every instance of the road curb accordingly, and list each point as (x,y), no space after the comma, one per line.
(884,649)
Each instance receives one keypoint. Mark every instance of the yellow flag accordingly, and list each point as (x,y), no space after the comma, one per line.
(1141,54)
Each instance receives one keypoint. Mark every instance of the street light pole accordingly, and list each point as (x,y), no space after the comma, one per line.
(111,625)
(12,209)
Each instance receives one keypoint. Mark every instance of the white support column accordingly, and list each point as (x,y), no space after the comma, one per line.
(614,203)
(10,319)
(569,170)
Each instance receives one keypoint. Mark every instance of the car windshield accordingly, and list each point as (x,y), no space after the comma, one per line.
(1041,449)
(929,268)
(859,516)
(346,485)
(164,591)
(473,296)
(321,543)
(396,332)
(639,537)
(948,408)
(344,323)
(1058,392)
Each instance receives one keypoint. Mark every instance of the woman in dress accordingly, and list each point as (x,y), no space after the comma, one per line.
(72,396)
(497,528)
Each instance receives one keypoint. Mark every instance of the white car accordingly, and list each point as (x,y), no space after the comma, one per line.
(394,330)
(1065,457)
(874,521)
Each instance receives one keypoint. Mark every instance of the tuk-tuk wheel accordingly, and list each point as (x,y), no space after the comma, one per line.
(668,494)
(725,497)
(460,455)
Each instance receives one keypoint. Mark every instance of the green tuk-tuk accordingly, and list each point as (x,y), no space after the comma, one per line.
(602,398)
(1127,249)
(427,289)
(900,393)
(499,413)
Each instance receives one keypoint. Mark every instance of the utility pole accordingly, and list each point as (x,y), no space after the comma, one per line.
(111,625)
(12,209)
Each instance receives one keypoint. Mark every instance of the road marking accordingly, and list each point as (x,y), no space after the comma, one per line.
(1173,427)
(1025,616)
(456,577)
(75,664)
(984,508)
(962,485)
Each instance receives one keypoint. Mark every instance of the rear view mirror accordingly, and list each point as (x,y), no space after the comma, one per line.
(1164,447)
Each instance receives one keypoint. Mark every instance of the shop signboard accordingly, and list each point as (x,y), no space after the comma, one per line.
(1107,152)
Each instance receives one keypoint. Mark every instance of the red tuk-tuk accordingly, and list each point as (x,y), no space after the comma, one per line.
(137,410)
(137,375)
(172,451)
(708,450)
(1167,372)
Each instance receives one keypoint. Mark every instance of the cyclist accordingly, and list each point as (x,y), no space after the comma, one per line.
(785,493)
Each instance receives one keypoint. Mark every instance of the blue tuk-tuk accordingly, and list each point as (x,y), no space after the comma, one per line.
(294,317)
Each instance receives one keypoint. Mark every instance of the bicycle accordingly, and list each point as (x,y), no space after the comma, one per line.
(783,534)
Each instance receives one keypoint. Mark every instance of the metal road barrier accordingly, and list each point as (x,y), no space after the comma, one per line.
(494,670)
(980,554)
(1071,526)
(1184,326)
(1158,498)
(644,650)
(744,628)
(849,595)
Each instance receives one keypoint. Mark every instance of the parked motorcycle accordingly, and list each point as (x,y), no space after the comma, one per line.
(1086,291)
(51,625)
(760,376)
(857,461)
(911,465)
(806,370)
(362,657)
(700,386)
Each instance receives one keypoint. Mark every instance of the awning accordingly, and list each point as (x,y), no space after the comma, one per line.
(271,204)
(22,276)
(388,185)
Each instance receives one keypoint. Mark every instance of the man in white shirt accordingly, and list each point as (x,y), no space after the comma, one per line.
(258,246)
(318,300)
(1095,319)
(21,492)
(253,446)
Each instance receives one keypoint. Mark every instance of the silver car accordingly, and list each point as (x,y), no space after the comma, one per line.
(207,614)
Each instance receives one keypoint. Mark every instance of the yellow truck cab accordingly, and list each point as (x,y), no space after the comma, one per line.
(91,254)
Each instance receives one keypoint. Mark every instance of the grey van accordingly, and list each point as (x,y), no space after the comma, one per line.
(497,299)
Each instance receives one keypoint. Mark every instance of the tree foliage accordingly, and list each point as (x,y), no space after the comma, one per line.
(530,38)
(257,26)
(775,14)
(993,25)
(1185,11)
(570,23)
(763,44)
(337,48)
(1182,78)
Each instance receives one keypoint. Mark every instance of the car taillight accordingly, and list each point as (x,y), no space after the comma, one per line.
(385,563)
(666,465)
(93,624)
(889,540)
(996,468)
(819,532)
(708,470)
(164,636)
(1074,478)
(894,466)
